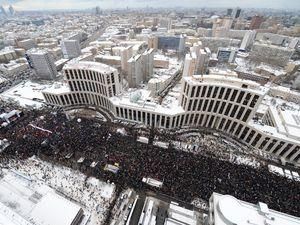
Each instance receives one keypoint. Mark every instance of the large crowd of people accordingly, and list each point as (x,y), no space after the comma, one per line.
(185,175)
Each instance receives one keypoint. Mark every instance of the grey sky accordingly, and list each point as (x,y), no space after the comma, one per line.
(82,4)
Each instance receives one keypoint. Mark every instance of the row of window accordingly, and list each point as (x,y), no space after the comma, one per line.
(228,94)
(227,125)
(89,86)
(79,99)
(267,119)
(218,107)
(90,76)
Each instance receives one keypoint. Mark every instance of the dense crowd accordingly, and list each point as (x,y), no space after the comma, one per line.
(185,175)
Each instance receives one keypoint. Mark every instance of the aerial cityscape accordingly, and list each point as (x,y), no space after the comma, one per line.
(149,112)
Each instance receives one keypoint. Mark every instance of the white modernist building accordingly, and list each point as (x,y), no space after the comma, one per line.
(227,210)
(235,107)
(89,83)
(43,63)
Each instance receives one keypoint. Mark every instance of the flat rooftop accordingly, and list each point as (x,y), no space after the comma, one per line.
(29,93)
(140,99)
(229,210)
(87,65)
(26,202)
(224,80)
(285,115)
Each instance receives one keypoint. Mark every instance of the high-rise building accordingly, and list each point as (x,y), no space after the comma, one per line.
(2,11)
(126,54)
(135,71)
(237,13)
(219,101)
(190,62)
(229,12)
(202,62)
(42,62)
(70,48)
(148,58)
(248,39)
(256,21)
(227,23)
(98,11)
(11,10)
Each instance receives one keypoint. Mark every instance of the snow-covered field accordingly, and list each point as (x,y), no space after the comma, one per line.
(93,195)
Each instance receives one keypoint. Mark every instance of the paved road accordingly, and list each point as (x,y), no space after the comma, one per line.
(94,36)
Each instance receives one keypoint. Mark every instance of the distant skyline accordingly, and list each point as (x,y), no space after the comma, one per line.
(109,4)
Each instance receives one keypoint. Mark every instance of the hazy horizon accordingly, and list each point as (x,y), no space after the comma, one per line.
(110,4)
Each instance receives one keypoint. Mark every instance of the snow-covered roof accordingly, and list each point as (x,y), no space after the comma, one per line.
(87,65)
(144,101)
(229,210)
(226,81)
(54,209)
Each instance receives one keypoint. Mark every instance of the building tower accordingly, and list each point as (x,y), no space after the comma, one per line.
(237,13)
(70,48)
(256,21)
(11,10)
(248,39)
(42,62)
(2,11)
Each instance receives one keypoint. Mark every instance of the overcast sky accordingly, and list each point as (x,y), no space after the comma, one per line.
(83,4)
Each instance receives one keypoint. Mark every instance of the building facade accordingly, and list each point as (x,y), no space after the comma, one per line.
(217,102)
(89,83)
(42,62)
(70,48)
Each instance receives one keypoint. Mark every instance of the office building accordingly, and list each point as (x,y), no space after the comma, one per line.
(26,44)
(229,12)
(271,54)
(42,62)
(248,40)
(2,11)
(70,48)
(148,61)
(256,21)
(126,54)
(171,43)
(135,71)
(190,63)
(88,83)
(228,210)
(11,10)
(223,103)
(226,54)
(237,13)
(202,61)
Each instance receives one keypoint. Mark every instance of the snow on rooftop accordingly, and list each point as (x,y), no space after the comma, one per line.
(29,93)
(227,80)
(28,188)
(145,101)
(53,210)
(96,66)
(228,209)
(286,116)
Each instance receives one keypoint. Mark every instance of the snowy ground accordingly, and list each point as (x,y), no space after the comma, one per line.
(92,194)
